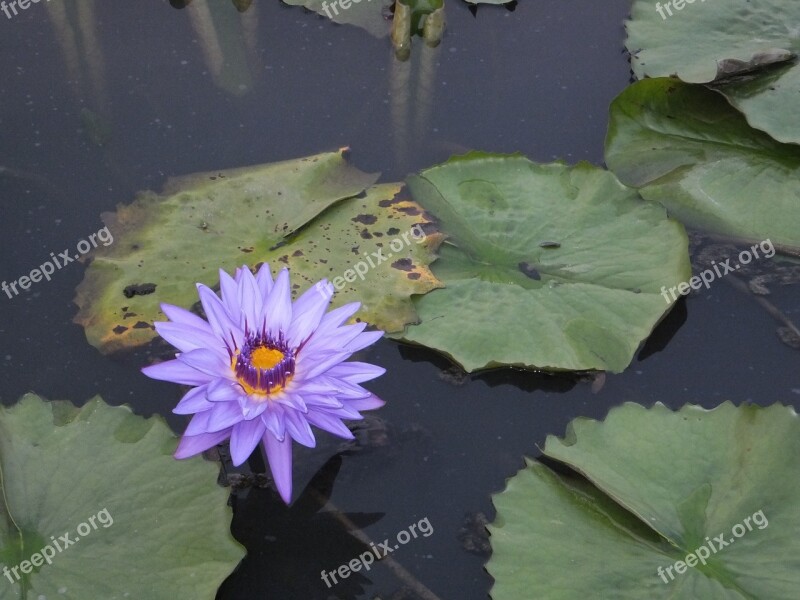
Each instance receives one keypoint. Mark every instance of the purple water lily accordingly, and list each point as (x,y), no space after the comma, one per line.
(266,369)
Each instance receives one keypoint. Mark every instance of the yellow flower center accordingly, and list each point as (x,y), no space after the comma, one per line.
(265,358)
(263,366)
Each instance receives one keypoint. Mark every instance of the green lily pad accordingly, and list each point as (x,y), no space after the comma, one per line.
(749,48)
(138,523)
(367,14)
(659,486)
(281,213)
(548,266)
(203,222)
(382,242)
(686,148)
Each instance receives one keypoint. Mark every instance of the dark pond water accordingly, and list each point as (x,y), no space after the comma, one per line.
(537,80)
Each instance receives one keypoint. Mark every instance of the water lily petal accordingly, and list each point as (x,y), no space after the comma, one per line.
(222,322)
(274,419)
(298,428)
(252,406)
(224,415)
(250,301)
(294,401)
(362,341)
(244,439)
(355,372)
(370,403)
(319,400)
(230,295)
(194,401)
(323,363)
(330,424)
(264,280)
(278,306)
(337,316)
(195,444)
(279,456)
(186,338)
(224,390)
(206,361)
(307,312)
(176,314)
(198,424)
(176,371)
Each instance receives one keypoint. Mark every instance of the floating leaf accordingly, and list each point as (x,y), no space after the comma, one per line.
(747,47)
(552,267)
(165,532)
(661,484)
(164,244)
(381,239)
(685,147)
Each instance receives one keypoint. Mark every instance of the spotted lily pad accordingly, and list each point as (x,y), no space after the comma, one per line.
(686,148)
(548,266)
(747,48)
(96,491)
(375,250)
(310,214)
(657,487)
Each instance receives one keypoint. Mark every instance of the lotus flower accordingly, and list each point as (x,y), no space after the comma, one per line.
(265,368)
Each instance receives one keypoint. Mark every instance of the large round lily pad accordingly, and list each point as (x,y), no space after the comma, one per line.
(138,523)
(549,266)
(659,486)
(748,48)
(686,148)
(315,215)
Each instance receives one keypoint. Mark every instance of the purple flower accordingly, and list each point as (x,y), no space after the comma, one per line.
(266,369)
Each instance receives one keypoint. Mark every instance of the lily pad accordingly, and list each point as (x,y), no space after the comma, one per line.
(686,148)
(272,213)
(367,14)
(548,266)
(138,523)
(164,244)
(658,486)
(383,242)
(733,43)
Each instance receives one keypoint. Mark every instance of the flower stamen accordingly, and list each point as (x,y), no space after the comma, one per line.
(264,365)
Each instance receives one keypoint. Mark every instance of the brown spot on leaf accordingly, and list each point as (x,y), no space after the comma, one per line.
(139,289)
(404,264)
(529,271)
(410,210)
(119,329)
(143,325)
(297,253)
(366,234)
(365,219)
(393,231)
(413,275)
